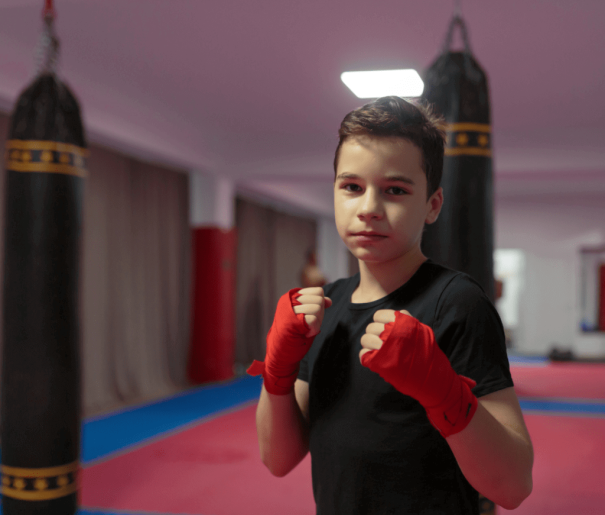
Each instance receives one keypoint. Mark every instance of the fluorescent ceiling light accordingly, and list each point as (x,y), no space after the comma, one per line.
(382,83)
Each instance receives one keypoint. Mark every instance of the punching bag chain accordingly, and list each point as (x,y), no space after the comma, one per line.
(458,8)
(47,53)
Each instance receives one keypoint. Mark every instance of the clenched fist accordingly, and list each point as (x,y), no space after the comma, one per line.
(312,305)
(297,320)
(371,339)
(404,352)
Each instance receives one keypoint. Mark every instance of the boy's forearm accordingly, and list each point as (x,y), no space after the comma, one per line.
(283,433)
(495,458)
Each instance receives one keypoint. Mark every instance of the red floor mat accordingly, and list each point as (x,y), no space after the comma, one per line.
(211,469)
(565,380)
(214,469)
(569,466)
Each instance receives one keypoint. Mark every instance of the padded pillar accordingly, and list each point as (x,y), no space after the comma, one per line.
(213,243)
(213,314)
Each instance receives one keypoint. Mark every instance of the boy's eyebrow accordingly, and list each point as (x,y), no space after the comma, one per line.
(346,175)
(400,178)
(393,178)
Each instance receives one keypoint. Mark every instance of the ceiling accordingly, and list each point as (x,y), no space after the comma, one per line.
(251,90)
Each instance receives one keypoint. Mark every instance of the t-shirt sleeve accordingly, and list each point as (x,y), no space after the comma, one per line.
(303,370)
(469,330)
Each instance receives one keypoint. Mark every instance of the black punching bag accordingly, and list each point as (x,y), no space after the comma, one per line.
(462,238)
(40,364)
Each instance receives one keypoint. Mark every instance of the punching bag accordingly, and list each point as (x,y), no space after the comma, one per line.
(462,238)
(40,400)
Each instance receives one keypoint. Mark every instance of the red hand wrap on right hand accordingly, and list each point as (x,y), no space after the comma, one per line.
(286,346)
(410,359)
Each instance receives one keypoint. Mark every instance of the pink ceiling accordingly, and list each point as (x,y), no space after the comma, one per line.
(252,90)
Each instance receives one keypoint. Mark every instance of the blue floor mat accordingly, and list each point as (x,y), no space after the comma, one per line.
(105,435)
(519,359)
(563,407)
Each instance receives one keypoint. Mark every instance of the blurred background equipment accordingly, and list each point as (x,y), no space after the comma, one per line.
(311,275)
(41,397)
(463,236)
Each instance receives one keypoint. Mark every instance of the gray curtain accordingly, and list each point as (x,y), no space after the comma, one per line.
(135,281)
(271,252)
(135,270)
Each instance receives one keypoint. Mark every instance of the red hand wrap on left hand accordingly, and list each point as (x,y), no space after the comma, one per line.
(410,359)
(286,346)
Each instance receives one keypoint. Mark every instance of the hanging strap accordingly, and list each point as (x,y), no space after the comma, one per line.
(457,21)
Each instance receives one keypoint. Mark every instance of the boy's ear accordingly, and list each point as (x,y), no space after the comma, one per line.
(435,202)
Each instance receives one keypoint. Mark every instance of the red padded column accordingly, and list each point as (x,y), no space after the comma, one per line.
(213,309)
(602,298)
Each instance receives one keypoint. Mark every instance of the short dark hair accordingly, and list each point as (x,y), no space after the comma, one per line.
(394,116)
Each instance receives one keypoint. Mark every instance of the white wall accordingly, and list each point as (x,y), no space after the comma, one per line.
(550,229)
(211,200)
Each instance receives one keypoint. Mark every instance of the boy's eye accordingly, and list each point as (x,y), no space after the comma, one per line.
(352,187)
(396,190)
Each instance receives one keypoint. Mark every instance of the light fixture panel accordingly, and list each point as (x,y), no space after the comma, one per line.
(381,83)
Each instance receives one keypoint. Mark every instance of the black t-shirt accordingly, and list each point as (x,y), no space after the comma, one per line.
(373,450)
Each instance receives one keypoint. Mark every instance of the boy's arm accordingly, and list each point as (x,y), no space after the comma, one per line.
(283,428)
(495,452)
(488,437)
(282,413)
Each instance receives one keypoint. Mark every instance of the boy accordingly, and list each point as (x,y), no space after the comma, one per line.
(404,398)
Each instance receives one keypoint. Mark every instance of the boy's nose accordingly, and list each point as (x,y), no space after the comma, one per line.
(370,206)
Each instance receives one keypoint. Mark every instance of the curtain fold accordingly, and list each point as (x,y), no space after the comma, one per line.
(271,252)
(135,281)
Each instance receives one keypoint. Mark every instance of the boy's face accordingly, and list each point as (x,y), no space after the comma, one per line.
(380,198)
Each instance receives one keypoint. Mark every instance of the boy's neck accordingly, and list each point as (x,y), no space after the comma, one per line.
(378,280)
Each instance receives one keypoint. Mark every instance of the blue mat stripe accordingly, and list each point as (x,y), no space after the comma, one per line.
(102,436)
(109,511)
(563,407)
(527,360)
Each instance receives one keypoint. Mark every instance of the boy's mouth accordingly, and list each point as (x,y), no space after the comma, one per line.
(367,236)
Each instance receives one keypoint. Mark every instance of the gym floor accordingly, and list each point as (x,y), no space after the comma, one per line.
(196,453)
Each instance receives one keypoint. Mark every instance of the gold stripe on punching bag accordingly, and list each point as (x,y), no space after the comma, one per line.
(468,139)
(45,157)
(40,484)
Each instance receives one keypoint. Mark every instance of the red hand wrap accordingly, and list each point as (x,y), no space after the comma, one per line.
(286,346)
(412,362)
